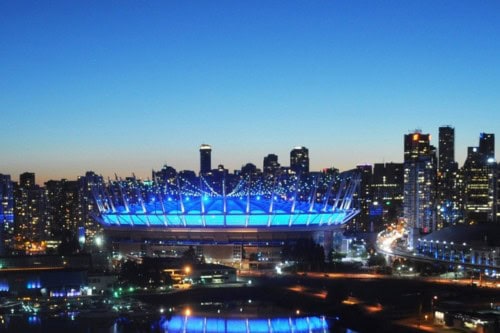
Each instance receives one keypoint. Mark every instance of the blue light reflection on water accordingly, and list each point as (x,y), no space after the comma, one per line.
(174,324)
(193,324)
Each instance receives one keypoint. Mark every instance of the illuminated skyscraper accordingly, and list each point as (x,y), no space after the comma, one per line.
(271,163)
(387,192)
(249,169)
(27,180)
(479,175)
(487,147)
(364,198)
(299,160)
(447,194)
(419,184)
(205,158)
(417,146)
(164,175)
(6,212)
(30,212)
(446,149)
(86,205)
(62,208)
(388,182)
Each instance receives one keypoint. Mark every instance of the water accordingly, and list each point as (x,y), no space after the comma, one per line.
(171,324)
(179,324)
(130,315)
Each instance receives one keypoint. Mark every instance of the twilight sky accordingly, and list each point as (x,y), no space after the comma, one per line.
(126,86)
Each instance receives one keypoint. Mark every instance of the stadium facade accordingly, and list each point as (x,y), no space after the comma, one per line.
(224,216)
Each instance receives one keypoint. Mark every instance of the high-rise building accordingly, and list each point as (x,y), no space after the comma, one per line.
(446,149)
(496,194)
(479,179)
(62,208)
(249,169)
(166,174)
(416,146)
(487,147)
(388,182)
(70,205)
(30,213)
(387,192)
(88,186)
(364,197)
(299,160)
(271,164)
(205,158)
(27,180)
(6,212)
(419,184)
(447,194)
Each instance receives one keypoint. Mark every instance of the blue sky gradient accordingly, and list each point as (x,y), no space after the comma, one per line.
(126,86)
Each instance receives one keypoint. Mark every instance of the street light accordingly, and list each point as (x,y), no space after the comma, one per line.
(98,241)
(433,304)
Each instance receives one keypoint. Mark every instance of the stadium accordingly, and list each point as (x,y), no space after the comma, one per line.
(224,217)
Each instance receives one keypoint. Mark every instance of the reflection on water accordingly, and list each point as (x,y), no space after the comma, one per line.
(175,323)
(192,324)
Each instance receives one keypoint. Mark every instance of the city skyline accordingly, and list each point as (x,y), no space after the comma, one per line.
(196,168)
(127,88)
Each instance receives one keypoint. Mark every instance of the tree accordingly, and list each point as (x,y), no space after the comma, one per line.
(304,251)
(189,256)
(148,273)
(335,256)
(376,259)
(69,243)
(131,273)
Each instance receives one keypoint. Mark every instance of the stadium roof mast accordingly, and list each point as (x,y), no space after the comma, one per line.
(109,198)
(124,198)
(179,190)
(335,205)
(271,204)
(328,193)
(202,201)
(313,195)
(248,194)
(354,184)
(295,191)
(224,197)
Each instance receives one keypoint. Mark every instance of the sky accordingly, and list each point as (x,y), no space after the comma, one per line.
(128,86)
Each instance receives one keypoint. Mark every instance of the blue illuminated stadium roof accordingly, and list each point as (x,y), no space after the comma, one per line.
(262,203)
(228,212)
